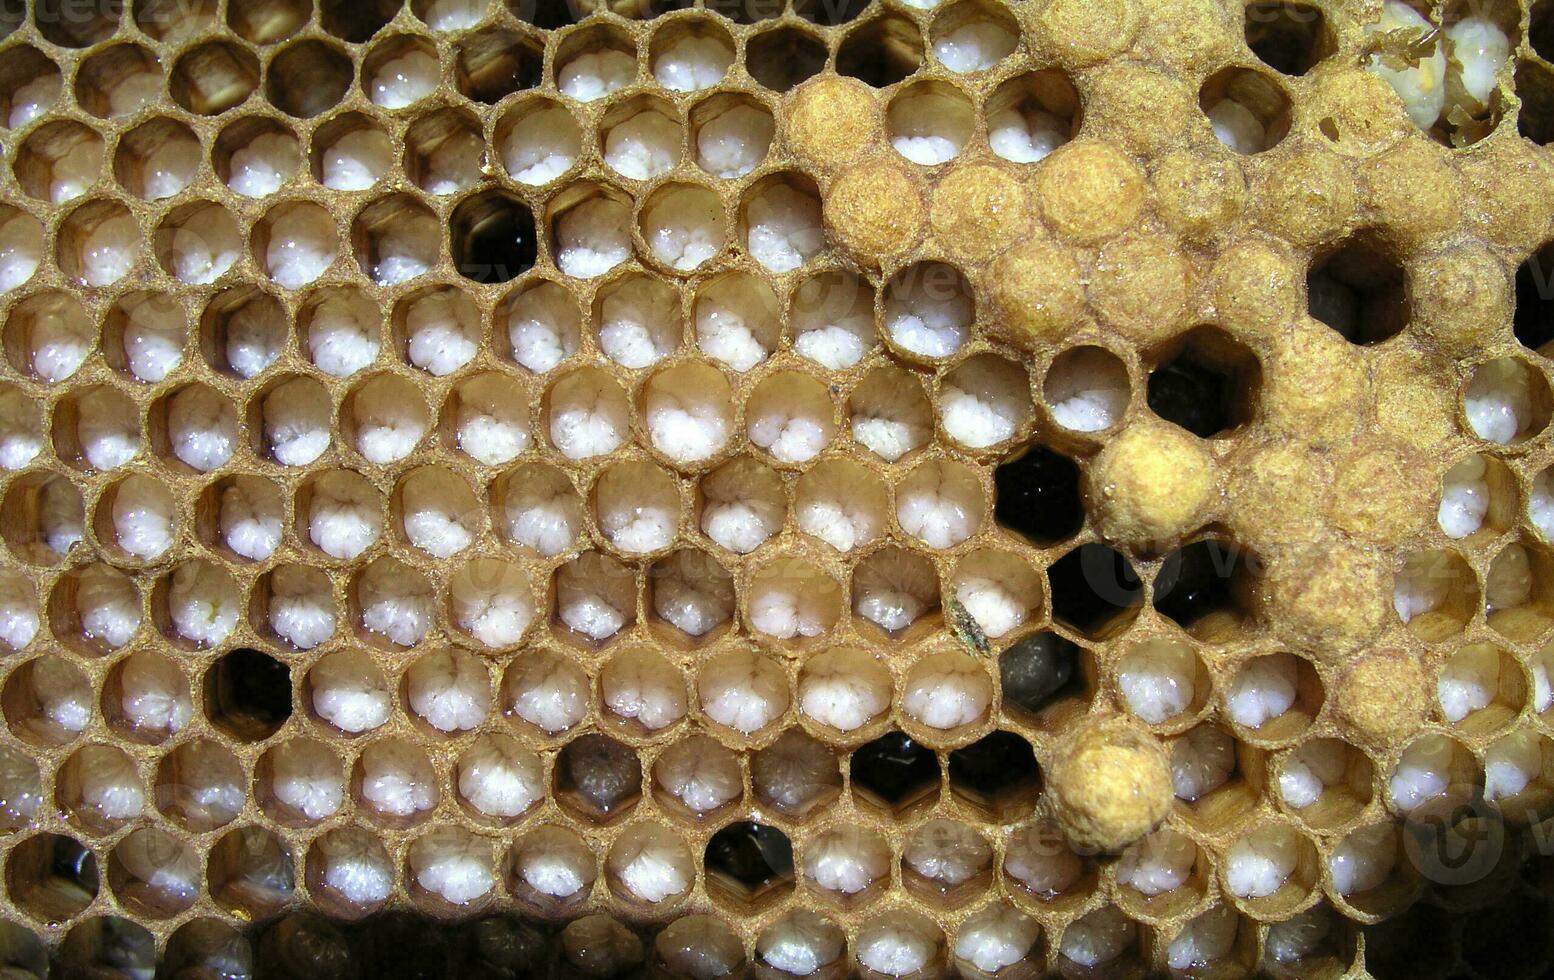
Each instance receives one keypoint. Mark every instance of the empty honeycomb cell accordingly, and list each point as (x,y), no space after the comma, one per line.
(692,595)
(997,590)
(384,419)
(1533,317)
(940,502)
(730,134)
(350,152)
(448,690)
(1207,587)
(394,783)
(1202,761)
(295,419)
(495,62)
(544,325)
(881,51)
(595,597)
(218,75)
(641,692)
(737,320)
(1360,289)
(436,511)
(1435,594)
(255,157)
(1506,401)
(343,513)
(1433,769)
(198,242)
(894,588)
(30,85)
(742,691)
(842,503)
(349,692)
(684,226)
(307,78)
(689,55)
(300,781)
(545,691)
(1248,111)
(637,322)
(200,785)
(930,122)
(491,600)
(742,505)
(41,518)
(598,944)
(118,81)
(1277,695)
(928,310)
(137,518)
(790,416)
(795,775)
(396,239)
(1290,38)
(450,867)
(997,775)
(154,874)
(95,609)
(539,140)
(699,946)
(47,701)
(1477,494)
(844,689)
(590,231)
(594,62)
(597,778)
(539,509)
(74,26)
(844,865)
(100,789)
(946,691)
(59,161)
(493,238)
(248,695)
(349,870)
(550,864)
(157,159)
(784,57)
(399,71)
(196,605)
(697,776)
(1516,592)
(1480,689)
(637,507)
(242,331)
(51,876)
(984,400)
(780,221)
(1162,680)
(298,606)
(748,865)
(444,152)
(251,872)
(641,138)
(99,244)
(1205,381)
(792,599)
(96,428)
(21,247)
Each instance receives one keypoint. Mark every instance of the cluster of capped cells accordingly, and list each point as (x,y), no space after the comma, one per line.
(819,488)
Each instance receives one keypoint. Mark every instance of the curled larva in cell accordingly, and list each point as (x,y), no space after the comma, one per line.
(61,520)
(452,864)
(792,598)
(742,505)
(544,326)
(737,321)
(499,777)
(395,602)
(492,423)
(742,690)
(846,860)
(985,401)
(442,331)
(18,610)
(449,690)
(644,145)
(699,773)
(349,691)
(1099,937)
(1310,769)
(107,428)
(699,947)
(344,514)
(899,943)
(546,690)
(202,427)
(301,607)
(692,592)
(1469,682)
(790,416)
(1158,679)
(202,603)
(57,693)
(145,517)
(296,417)
(946,690)
(593,237)
(800,943)
(595,74)
(250,517)
(351,863)
(596,596)
(844,688)
(941,503)
(1201,761)
(1260,862)
(491,600)
(1426,770)
(1040,859)
(1263,689)
(554,862)
(1204,940)
(305,777)
(642,686)
(108,605)
(589,415)
(651,864)
(1157,864)
(100,783)
(783,227)
(599,946)
(637,506)
(343,332)
(404,80)
(439,512)
(154,696)
(542,145)
(1512,764)
(396,779)
(894,588)
(996,937)
(159,871)
(689,412)
(541,509)
(841,503)
(390,419)
(946,853)
(1364,859)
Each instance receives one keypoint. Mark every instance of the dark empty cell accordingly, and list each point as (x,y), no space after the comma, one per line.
(1197,580)
(780,59)
(1535,87)
(881,52)
(997,763)
(399,944)
(750,854)
(894,768)
(1288,37)
(1037,669)
(548,14)
(248,694)
(307,78)
(72,23)
(1534,319)
(1540,29)
(829,13)
(1193,395)
(1360,290)
(52,876)
(493,238)
(497,63)
(1421,934)
(1038,495)
(1091,586)
(357,20)
(1505,939)
(73,864)
(304,945)
(602,775)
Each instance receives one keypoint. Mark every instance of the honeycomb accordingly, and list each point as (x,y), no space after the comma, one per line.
(866,488)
